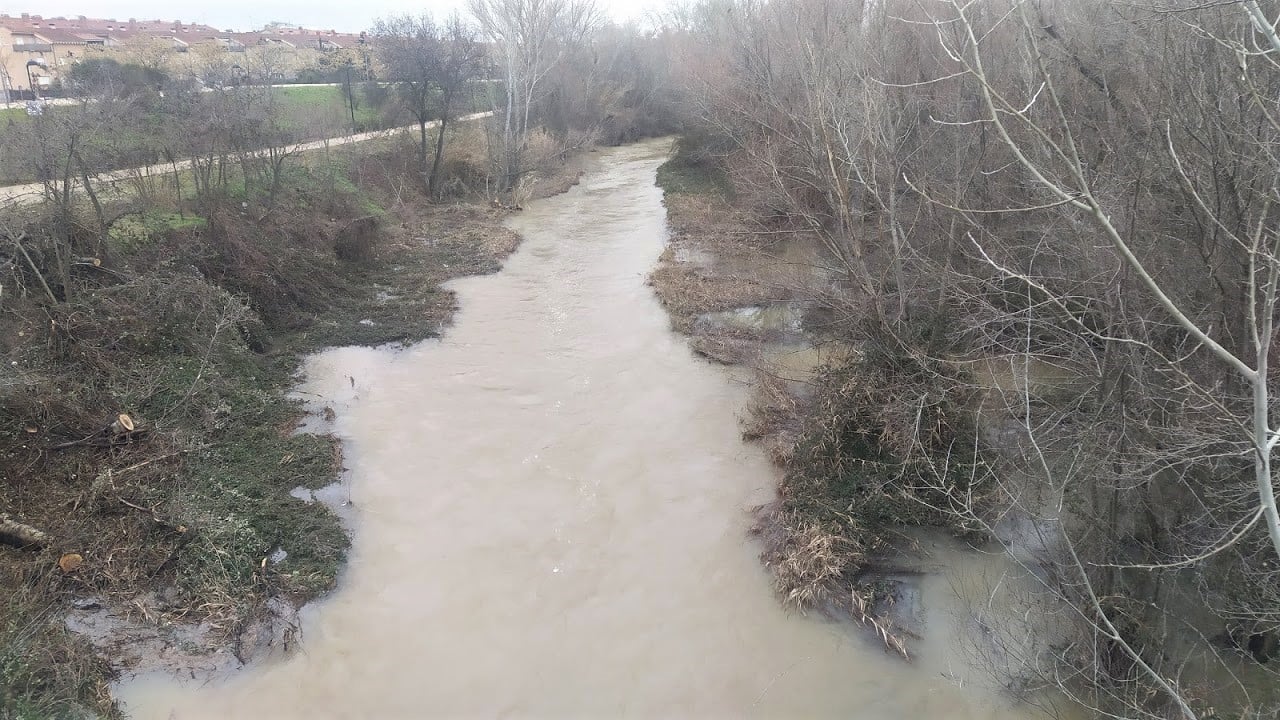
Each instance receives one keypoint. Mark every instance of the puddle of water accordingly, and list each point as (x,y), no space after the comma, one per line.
(1006,375)
(983,612)
(799,363)
(694,256)
(775,318)
(551,510)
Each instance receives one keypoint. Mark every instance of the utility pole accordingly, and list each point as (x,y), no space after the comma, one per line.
(351,105)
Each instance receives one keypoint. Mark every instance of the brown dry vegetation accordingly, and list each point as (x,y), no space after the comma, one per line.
(1084,186)
(702,224)
(843,437)
(714,261)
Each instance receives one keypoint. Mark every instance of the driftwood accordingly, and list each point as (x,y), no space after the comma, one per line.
(21,535)
(119,431)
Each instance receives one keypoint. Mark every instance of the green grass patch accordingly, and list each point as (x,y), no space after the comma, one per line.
(303,113)
(328,178)
(236,503)
(133,233)
(14,114)
(299,106)
(309,96)
(683,174)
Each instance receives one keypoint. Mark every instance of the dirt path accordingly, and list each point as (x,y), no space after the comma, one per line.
(30,192)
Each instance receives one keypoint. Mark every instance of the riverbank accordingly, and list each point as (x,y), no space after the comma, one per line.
(181,539)
(528,541)
(852,409)
(751,291)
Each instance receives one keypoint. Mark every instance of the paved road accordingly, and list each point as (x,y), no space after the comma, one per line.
(17,194)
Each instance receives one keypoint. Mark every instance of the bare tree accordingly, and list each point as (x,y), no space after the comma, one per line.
(801,93)
(530,38)
(433,66)
(1079,197)
(1056,150)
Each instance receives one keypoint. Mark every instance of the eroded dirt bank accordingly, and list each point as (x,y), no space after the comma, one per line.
(551,511)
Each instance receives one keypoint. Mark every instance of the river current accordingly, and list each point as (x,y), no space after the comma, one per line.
(551,510)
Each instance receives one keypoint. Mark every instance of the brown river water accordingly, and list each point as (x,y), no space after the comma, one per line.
(551,507)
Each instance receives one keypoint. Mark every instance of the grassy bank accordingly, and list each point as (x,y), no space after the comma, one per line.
(192,325)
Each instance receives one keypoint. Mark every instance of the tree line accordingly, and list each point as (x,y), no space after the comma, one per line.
(555,75)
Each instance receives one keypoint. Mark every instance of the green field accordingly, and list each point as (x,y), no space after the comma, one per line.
(302,107)
(12,114)
(305,113)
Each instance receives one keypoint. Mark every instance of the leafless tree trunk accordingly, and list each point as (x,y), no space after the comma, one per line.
(531,39)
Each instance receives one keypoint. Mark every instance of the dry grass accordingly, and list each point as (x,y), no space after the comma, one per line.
(687,290)
(775,418)
(807,560)
(811,567)
(559,165)
(737,266)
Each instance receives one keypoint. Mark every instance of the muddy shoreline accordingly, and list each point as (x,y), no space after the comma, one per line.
(432,245)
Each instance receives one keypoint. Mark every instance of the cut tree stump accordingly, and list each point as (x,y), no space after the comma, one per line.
(120,430)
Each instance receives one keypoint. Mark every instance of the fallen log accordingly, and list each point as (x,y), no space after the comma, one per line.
(21,535)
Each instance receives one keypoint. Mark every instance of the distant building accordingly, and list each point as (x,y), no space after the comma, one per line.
(48,46)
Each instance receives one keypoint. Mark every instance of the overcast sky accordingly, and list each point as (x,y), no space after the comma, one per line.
(346,15)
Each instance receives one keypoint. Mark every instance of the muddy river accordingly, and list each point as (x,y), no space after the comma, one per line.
(551,508)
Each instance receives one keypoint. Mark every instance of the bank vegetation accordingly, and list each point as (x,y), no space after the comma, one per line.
(1051,235)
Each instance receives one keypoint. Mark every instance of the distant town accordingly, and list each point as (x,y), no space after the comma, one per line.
(35,51)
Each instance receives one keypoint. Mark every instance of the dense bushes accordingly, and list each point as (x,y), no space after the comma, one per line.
(888,437)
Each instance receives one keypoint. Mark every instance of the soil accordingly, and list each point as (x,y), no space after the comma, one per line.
(720,259)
